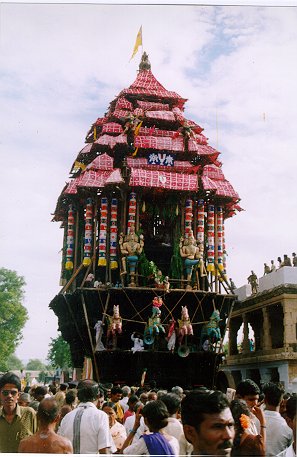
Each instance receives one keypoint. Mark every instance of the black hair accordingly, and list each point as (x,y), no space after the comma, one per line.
(133,399)
(200,402)
(247,387)
(40,390)
(291,407)
(156,414)
(172,402)
(109,404)
(273,393)
(87,390)
(116,390)
(48,410)
(238,407)
(70,397)
(10,378)
(64,386)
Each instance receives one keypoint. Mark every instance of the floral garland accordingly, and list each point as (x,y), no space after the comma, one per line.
(131,210)
(88,233)
(245,421)
(113,234)
(188,216)
(200,221)
(220,231)
(102,232)
(70,239)
(210,238)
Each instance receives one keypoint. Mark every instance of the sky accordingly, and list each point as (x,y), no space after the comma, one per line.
(62,64)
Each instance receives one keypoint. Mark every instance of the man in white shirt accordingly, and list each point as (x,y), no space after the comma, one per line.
(86,426)
(249,391)
(278,434)
(174,426)
(124,401)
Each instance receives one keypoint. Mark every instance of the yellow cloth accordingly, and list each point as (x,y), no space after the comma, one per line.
(138,42)
(24,424)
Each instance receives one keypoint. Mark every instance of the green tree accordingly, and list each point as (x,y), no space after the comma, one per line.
(13,315)
(35,365)
(59,354)
(14,363)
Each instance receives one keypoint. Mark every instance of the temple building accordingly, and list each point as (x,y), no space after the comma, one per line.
(144,253)
(271,313)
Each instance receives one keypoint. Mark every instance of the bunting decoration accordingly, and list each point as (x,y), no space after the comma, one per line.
(200,222)
(220,223)
(210,238)
(113,234)
(88,233)
(103,232)
(188,216)
(70,239)
(132,210)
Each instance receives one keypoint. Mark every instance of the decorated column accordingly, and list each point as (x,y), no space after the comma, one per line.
(132,211)
(210,238)
(188,217)
(200,222)
(113,234)
(220,234)
(103,232)
(70,239)
(88,233)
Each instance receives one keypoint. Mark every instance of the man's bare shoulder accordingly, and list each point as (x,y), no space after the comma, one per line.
(54,444)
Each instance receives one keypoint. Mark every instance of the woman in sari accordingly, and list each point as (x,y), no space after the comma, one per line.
(157,442)
(246,443)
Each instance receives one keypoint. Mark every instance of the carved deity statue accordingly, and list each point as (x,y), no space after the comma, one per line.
(191,254)
(131,246)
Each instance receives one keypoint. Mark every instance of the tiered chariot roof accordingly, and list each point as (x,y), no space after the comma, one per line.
(145,140)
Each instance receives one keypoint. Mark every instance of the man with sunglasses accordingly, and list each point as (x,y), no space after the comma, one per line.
(16,422)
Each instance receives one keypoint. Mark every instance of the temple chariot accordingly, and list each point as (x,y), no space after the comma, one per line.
(144,282)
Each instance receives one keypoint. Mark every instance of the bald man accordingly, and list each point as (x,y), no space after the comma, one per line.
(45,440)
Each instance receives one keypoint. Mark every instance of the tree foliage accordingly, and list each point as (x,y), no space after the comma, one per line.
(14,363)
(13,315)
(35,365)
(59,353)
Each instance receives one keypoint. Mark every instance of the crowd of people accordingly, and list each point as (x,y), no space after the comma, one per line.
(87,418)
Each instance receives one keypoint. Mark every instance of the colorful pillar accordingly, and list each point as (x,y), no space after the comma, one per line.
(210,238)
(132,211)
(188,216)
(103,232)
(200,222)
(113,234)
(70,239)
(220,232)
(88,233)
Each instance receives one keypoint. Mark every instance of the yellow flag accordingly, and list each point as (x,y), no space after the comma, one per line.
(138,42)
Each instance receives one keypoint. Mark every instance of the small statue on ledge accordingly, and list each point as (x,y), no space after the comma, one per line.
(294,259)
(115,326)
(267,269)
(192,255)
(131,246)
(272,266)
(253,281)
(137,343)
